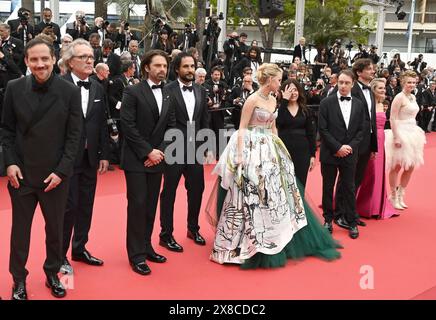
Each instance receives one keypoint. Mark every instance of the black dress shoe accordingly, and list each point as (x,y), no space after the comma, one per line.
(56,287)
(196,236)
(353,232)
(140,268)
(361,223)
(171,245)
(19,291)
(154,257)
(342,223)
(329,226)
(86,257)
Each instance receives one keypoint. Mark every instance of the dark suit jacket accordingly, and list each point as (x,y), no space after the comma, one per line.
(201,114)
(15,48)
(41,137)
(72,31)
(114,63)
(20,35)
(334,134)
(95,133)
(116,90)
(369,142)
(428,98)
(299,53)
(142,126)
(56,30)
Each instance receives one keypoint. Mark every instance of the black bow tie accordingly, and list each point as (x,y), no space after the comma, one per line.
(364,86)
(85,84)
(190,88)
(157,86)
(345,98)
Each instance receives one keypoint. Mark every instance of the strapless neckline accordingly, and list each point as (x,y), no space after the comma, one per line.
(266,110)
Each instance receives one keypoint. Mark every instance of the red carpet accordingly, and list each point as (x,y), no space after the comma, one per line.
(401,253)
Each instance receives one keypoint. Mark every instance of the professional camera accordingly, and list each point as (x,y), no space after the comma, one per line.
(349,46)
(82,20)
(126,26)
(106,24)
(113,129)
(24,16)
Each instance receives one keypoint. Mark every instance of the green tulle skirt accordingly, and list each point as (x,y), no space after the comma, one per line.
(312,240)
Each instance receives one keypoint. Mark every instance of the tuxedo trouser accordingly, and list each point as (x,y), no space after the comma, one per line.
(142,197)
(78,215)
(345,208)
(24,201)
(194,184)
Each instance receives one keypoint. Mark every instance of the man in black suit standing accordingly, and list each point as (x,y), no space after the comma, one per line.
(300,50)
(21,28)
(47,23)
(111,59)
(146,114)
(41,129)
(190,103)
(92,157)
(12,46)
(341,127)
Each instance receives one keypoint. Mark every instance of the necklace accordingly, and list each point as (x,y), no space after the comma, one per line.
(409,96)
(264,97)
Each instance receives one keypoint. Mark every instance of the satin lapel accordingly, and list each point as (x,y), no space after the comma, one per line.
(164,111)
(197,95)
(181,101)
(41,107)
(339,112)
(149,97)
(92,92)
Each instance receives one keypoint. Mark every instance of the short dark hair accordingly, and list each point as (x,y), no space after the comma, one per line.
(360,65)
(301,101)
(107,43)
(126,65)
(348,73)
(243,34)
(37,41)
(247,69)
(148,57)
(178,60)
(216,68)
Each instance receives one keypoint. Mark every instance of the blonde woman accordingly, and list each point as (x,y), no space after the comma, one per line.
(372,198)
(263,219)
(405,142)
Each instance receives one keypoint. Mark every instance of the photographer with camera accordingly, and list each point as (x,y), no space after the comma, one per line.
(21,28)
(48,27)
(396,63)
(125,36)
(190,37)
(237,98)
(79,28)
(300,50)
(210,43)
(163,43)
(418,64)
(12,47)
(100,27)
(231,48)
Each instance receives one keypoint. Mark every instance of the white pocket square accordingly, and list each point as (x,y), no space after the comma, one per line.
(98,100)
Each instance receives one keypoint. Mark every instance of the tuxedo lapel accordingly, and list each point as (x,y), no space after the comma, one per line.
(149,96)
(338,112)
(164,111)
(92,92)
(181,101)
(40,107)
(197,94)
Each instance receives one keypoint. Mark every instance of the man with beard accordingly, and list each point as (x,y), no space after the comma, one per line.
(190,102)
(47,24)
(253,60)
(146,114)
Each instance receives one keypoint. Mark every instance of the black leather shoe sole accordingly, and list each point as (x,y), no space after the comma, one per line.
(141,269)
(56,294)
(361,223)
(198,240)
(84,260)
(170,247)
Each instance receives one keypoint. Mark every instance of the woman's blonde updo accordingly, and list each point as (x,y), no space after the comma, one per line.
(267,70)
(407,74)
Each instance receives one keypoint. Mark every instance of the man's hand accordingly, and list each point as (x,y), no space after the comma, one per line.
(14,173)
(312,163)
(103,166)
(344,151)
(155,157)
(373,155)
(53,181)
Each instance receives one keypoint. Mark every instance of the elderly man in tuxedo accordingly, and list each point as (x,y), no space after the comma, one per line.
(91,158)
(41,129)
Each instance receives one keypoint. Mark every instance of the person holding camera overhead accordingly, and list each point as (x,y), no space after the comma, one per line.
(190,37)
(47,26)
(79,28)
(20,28)
(92,157)
(100,27)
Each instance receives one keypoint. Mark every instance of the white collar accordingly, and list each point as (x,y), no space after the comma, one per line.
(77,79)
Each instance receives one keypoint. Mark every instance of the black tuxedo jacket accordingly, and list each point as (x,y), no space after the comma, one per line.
(72,31)
(116,90)
(95,135)
(201,114)
(369,142)
(20,35)
(114,63)
(299,53)
(15,48)
(142,126)
(56,30)
(429,99)
(41,136)
(334,133)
